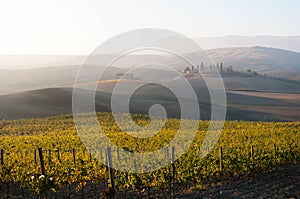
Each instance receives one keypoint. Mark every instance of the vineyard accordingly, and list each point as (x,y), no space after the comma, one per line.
(69,167)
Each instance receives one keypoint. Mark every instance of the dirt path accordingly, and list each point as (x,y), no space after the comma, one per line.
(280,183)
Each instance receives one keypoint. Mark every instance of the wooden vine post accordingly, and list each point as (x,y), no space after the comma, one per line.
(110,168)
(2,157)
(221,159)
(74,157)
(173,170)
(42,161)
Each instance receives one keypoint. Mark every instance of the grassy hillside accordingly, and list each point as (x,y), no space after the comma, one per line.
(255,97)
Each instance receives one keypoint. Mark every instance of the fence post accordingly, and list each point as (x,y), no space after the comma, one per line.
(2,157)
(173,169)
(42,161)
(106,163)
(221,159)
(74,157)
(110,168)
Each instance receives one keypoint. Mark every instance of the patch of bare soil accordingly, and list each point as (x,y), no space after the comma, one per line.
(280,183)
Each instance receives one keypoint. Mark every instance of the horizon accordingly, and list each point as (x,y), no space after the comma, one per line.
(241,46)
(14,62)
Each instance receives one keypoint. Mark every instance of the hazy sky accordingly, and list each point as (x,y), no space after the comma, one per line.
(78,26)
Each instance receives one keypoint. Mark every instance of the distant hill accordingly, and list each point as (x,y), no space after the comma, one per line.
(271,61)
(282,42)
(13,62)
(14,81)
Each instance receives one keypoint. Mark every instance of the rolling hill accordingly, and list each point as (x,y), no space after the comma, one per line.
(274,62)
(271,61)
(47,91)
(243,104)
